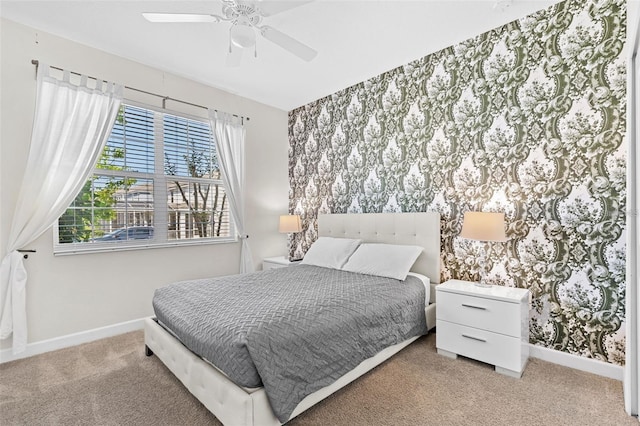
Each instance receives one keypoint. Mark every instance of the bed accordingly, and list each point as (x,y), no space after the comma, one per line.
(250,405)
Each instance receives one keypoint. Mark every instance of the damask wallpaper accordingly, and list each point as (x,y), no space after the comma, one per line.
(527,119)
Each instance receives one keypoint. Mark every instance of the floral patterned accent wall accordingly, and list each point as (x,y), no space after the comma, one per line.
(527,119)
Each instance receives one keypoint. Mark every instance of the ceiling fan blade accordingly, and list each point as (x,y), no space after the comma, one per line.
(234,57)
(288,43)
(180,17)
(269,8)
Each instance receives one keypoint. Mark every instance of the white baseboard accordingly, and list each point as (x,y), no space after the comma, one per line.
(589,365)
(61,342)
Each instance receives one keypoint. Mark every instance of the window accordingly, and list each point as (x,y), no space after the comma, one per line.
(156,183)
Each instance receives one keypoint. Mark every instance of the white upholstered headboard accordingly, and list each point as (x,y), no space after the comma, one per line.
(420,229)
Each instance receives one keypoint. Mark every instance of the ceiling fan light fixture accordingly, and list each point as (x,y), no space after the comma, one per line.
(245,17)
(242,35)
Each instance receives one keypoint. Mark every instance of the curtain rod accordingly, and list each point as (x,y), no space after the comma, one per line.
(164,98)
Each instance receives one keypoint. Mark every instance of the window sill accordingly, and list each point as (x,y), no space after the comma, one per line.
(88,248)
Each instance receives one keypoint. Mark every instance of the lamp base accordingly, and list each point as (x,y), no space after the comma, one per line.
(483,284)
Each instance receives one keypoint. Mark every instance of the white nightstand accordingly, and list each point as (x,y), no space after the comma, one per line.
(277,262)
(487,324)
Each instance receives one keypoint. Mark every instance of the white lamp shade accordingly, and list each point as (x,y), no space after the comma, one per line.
(483,226)
(290,223)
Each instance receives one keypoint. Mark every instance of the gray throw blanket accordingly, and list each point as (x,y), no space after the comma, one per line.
(292,330)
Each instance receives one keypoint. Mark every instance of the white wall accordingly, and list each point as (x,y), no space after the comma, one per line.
(69,294)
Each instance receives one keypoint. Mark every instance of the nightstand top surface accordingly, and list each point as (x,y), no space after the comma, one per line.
(280,260)
(507,294)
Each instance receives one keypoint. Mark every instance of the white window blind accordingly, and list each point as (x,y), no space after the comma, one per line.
(157,183)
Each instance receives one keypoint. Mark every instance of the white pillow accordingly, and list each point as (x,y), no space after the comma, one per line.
(384,260)
(330,252)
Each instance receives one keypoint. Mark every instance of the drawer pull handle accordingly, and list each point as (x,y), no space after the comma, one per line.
(474,338)
(474,307)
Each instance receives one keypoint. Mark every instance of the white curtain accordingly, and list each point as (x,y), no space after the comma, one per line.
(71,126)
(229,136)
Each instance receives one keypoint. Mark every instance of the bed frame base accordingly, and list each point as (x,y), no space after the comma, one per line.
(230,403)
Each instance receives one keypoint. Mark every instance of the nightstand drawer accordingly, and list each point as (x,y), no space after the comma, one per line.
(492,348)
(477,312)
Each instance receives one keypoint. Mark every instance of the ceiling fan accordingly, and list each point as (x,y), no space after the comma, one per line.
(245,18)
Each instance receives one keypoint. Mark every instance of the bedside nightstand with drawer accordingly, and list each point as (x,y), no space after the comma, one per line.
(277,262)
(489,324)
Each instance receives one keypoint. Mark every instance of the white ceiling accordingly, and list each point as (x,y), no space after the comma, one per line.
(356,40)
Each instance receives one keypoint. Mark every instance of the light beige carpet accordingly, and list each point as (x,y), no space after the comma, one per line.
(111,382)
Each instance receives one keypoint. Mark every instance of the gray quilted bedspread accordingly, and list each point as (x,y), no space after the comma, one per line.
(292,330)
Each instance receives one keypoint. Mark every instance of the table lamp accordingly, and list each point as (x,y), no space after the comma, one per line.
(484,227)
(289,224)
